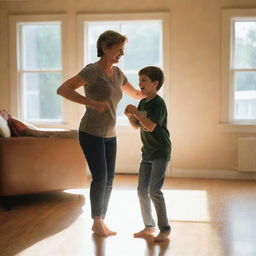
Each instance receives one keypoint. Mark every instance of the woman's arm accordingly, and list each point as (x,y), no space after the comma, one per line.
(144,121)
(132,92)
(68,91)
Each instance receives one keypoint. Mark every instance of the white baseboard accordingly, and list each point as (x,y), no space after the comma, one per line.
(194,173)
(127,168)
(211,174)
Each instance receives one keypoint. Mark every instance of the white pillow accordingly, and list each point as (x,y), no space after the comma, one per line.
(4,128)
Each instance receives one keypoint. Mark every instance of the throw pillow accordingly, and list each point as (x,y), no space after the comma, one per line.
(17,127)
(4,128)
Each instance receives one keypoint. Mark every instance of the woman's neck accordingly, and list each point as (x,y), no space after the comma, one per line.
(105,64)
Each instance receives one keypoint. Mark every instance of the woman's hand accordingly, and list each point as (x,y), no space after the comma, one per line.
(99,106)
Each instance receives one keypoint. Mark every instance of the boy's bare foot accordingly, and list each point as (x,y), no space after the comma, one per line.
(162,236)
(144,232)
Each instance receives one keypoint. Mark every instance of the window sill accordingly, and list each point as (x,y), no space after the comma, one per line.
(237,128)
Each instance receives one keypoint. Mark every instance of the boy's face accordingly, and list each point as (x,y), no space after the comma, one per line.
(147,86)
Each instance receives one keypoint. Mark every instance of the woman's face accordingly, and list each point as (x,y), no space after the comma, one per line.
(114,53)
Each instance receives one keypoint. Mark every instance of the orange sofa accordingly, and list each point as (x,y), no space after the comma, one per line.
(40,164)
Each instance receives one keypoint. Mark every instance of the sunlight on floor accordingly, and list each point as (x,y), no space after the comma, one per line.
(182,205)
(242,232)
(187,205)
(188,214)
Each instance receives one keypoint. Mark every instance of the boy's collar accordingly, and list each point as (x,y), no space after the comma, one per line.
(151,99)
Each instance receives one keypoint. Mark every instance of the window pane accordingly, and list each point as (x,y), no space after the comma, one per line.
(245,44)
(39,96)
(245,95)
(143,48)
(41,46)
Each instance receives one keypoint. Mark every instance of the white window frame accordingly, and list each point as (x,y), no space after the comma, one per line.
(163,16)
(227,90)
(15,79)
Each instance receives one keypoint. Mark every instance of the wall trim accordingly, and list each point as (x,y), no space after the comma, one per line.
(211,174)
(193,173)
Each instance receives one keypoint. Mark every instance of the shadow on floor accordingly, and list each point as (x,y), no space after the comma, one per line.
(25,224)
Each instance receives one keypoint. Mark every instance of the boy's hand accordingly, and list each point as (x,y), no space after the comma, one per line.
(130,110)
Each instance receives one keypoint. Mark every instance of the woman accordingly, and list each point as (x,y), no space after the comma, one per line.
(103,85)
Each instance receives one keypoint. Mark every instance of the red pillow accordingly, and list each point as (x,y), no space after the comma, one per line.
(17,127)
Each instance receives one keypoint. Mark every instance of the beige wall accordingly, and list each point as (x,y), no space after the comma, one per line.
(199,141)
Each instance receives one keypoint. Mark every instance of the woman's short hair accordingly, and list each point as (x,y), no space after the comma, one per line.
(108,39)
(155,74)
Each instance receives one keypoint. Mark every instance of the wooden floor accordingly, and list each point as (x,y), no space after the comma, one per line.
(208,218)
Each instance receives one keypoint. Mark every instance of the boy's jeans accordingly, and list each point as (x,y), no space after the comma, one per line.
(101,157)
(151,179)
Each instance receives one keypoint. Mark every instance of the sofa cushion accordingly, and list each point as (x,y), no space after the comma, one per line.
(52,133)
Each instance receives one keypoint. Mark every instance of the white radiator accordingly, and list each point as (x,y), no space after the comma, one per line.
(247,154)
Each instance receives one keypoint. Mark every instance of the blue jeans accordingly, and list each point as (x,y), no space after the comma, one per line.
(151,179)
(100,154)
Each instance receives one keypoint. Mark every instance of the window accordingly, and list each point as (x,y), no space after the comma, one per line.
(38,67)
(244,68)
(42,57)
(239,66)
(40,70)
(144,48)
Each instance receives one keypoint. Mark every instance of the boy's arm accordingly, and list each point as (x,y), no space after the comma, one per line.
(134,122)
(143,120)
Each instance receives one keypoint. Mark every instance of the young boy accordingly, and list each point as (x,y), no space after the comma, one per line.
(151,118)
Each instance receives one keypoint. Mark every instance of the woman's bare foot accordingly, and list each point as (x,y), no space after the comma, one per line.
(110,232)
(99,228)
(4,114)
(145,232)
(162,236)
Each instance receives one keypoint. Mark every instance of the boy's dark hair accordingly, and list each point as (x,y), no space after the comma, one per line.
(108,39)
(155,74)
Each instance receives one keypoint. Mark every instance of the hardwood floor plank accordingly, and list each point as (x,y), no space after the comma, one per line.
(208,218)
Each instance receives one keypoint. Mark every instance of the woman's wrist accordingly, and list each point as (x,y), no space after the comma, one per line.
(89,102)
